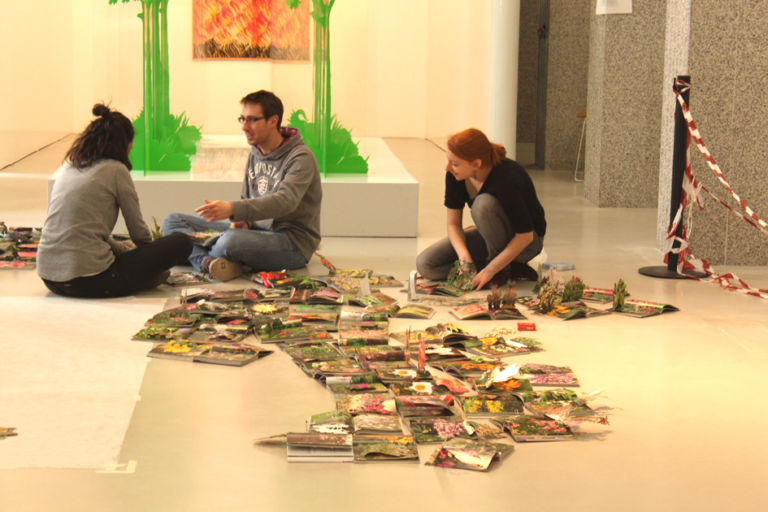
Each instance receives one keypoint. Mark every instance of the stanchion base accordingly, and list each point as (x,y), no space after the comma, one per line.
(664,273)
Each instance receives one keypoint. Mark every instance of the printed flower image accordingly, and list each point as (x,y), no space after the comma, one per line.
(424,388)
(265,308)
(489,340)
(521,426)
(447,429)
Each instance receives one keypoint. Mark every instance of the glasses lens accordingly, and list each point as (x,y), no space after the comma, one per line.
(241,119)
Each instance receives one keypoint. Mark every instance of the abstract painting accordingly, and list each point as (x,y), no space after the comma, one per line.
(250,29)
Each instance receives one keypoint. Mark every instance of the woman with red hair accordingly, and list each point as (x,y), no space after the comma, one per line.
(509,219)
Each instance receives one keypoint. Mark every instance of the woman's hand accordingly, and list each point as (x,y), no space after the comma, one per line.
(482,278)
(215,210)
(238,225)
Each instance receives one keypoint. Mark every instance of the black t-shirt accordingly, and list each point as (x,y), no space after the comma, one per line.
(510,184)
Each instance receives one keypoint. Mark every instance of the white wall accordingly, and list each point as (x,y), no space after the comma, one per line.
(402,68)
(35,76)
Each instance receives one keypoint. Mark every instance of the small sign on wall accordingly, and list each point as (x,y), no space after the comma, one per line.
(614,7)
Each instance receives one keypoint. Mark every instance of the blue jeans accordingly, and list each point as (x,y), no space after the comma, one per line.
(260,249)
(486,239)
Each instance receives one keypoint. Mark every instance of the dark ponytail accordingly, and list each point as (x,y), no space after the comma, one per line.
(108,136)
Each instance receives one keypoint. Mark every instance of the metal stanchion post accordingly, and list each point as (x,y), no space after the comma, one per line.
(678,173)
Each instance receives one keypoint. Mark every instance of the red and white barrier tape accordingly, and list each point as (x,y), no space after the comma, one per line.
(692,193)
(694,132)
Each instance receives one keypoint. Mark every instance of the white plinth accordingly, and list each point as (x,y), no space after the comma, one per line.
(383,203)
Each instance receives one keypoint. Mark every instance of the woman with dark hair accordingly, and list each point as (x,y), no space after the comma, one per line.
(509,219)
(77,256)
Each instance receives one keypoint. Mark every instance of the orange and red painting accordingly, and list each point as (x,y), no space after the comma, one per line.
(250,29)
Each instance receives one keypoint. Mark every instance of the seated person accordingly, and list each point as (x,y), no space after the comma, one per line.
(77,256)
(509,219)
(276,223)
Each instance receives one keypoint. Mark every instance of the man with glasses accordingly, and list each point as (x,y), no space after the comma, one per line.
(276,223)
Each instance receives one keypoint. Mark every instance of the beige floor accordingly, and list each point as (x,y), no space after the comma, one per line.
(687,389)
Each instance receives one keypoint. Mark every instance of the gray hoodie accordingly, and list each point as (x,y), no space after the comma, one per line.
(282,191)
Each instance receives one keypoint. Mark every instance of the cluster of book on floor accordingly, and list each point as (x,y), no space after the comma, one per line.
(393,390)
(440,385)
(18,246)
(218,326)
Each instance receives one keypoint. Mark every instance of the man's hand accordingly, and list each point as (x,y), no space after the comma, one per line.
(238,225)
(215,210)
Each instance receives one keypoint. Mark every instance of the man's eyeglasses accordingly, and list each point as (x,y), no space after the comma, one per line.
(249,119)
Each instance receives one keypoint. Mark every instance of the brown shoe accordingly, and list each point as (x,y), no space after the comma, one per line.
(224,269)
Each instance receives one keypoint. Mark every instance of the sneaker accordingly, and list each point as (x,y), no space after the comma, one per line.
(224,269)
(523,272)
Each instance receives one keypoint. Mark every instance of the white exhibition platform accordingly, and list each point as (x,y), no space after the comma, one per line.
(353,205)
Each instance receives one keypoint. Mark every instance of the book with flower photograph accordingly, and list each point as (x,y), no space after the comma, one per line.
(325,314)
(321,370)
(319,447)
(313,352)
(219,333)
(415,311)
(425,405)
(180,350)
(576,309)
(466,369)
(496,347)
(157,333)
(438,429)
(350,388)
(476,311)
(367,424)
(644,308)
(175,317)
(7,432)
(419,387)
(487,405)
(460,453)
(358,337)
(331,422)
(366,403)
(438,288)
(232,355)
(526,428)
(381,448)
(602,295)
(563,405)
(187,279)
(416,335)
(549,375)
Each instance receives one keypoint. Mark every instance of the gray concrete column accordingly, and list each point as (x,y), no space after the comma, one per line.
(728,64)
(626,62)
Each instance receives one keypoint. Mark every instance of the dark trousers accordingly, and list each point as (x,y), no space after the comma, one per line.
(135,270)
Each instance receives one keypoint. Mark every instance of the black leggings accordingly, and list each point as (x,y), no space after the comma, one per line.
(135,270)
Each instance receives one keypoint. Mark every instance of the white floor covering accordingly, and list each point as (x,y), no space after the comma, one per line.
(687,389)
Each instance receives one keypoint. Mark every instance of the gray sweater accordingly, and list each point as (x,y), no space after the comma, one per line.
(82,211)
(282,191)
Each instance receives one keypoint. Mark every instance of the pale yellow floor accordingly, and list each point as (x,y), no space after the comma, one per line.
(687,389)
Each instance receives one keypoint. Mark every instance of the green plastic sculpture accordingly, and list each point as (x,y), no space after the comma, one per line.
(163,141)
(331,143)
